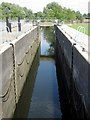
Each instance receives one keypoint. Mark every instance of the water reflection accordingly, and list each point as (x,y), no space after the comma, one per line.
(45,98)
(40,97)
(47,41)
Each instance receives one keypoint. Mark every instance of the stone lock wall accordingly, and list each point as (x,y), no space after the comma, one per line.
(15,61)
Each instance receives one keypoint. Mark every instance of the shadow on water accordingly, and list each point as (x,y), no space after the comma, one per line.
(65,107)
(22,108)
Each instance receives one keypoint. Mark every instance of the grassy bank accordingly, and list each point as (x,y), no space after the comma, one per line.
(86,26)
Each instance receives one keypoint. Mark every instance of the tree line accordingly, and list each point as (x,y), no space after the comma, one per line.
(52,11)
(14,11)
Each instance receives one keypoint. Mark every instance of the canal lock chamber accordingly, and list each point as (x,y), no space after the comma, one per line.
(43,95)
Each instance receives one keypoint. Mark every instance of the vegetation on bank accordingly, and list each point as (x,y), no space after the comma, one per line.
(86,26)
(51,11)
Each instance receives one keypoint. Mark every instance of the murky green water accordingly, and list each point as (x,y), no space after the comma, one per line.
(40,97)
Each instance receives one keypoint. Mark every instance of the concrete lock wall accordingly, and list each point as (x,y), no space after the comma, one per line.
(7,88)
(16,61)
(78,65)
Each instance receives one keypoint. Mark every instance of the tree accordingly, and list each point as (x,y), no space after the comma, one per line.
(27,13)
(79,16)
(84,15)
(39,15)
(70,14)
(13,11)
(88,14)
(53,10)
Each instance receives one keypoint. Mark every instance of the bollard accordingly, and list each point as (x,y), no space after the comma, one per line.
(7,23)
(18,19)
(19,26)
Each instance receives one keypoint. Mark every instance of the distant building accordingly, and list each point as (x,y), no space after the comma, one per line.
(87,17)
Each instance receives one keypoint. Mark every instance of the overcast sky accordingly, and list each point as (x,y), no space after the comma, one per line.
(38,5)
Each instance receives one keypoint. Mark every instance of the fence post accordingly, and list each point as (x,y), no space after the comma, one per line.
(9,25)
(19,24)
(7,22)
